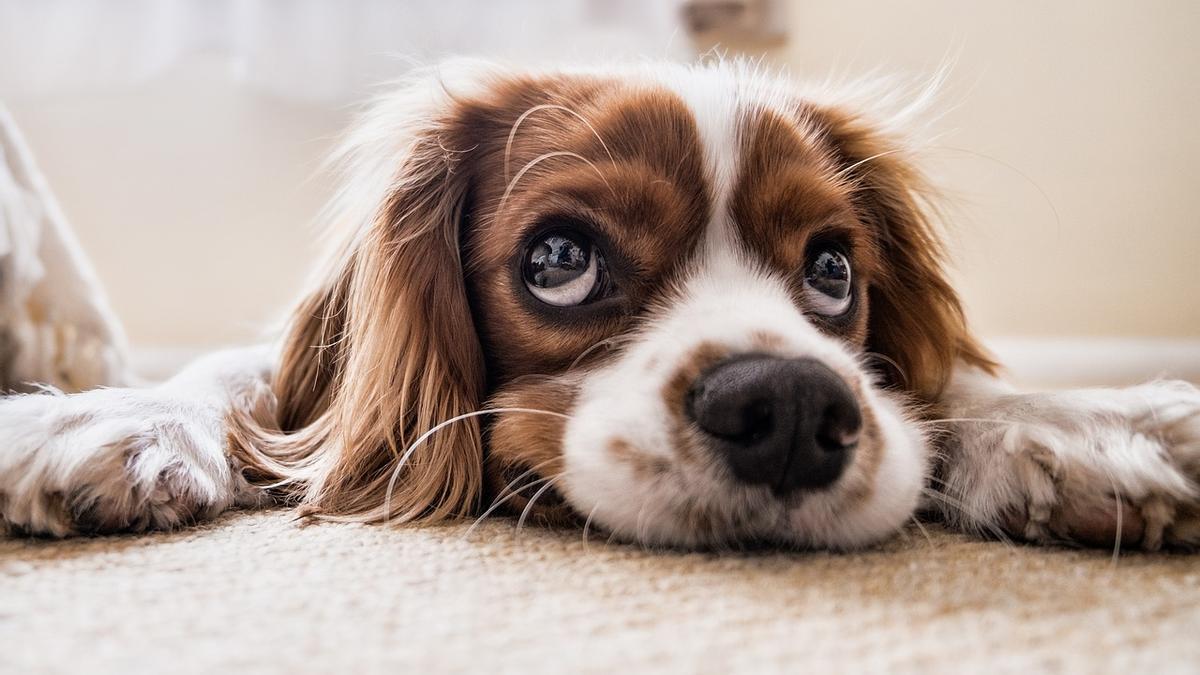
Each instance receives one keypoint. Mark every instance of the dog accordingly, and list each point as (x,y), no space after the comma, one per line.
(691,306)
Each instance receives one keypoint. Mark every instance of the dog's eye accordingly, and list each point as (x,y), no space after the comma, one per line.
(564,269)
(827,282)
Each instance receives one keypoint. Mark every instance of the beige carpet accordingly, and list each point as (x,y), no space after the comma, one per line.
(260,593)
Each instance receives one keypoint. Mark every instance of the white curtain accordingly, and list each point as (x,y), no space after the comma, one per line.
(323,50)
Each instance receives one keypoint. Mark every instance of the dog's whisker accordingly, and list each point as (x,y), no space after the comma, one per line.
(500,502)
(529,507)
(587,524)
(532,470)
(538,160)
(512,133)
(508,492)
(1120,513)
(891,362)
(951,420)
(391,486)
(607,342)
(1037,186)
(925,533)
(954,503)
(638,527)
(849,169)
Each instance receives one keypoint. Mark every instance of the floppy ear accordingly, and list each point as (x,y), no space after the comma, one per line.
(384,348)
(916,319)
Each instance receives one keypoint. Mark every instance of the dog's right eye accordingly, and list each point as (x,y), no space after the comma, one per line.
(564,269)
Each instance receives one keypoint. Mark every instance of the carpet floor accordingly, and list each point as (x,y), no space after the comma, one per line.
(259,592)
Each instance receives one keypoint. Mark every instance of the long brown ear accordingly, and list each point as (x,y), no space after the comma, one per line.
(916,319)
(384,348)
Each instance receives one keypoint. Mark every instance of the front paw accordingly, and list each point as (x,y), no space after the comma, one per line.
(108,460)
(1093,467)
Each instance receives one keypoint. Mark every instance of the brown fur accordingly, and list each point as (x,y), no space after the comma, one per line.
(525,447)
(643,189)
(828,173)
(378,355)
(916,319)
(688,446)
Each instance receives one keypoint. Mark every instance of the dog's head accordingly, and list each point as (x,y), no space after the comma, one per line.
(698,300)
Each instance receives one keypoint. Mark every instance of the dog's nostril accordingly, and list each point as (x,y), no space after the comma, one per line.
(738,416)
(840,427)
(837,441)
(786,423)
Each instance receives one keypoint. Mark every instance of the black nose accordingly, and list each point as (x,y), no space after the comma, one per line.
(785,423)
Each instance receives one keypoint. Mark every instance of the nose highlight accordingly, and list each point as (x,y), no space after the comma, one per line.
(785,423)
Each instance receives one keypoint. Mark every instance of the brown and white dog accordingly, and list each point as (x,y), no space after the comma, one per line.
(691,306)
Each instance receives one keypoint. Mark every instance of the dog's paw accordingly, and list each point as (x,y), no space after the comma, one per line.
(111,460)
(1091,467)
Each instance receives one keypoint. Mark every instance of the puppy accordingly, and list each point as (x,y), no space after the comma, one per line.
(692,306)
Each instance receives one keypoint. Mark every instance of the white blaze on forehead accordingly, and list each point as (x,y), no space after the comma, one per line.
(714,100)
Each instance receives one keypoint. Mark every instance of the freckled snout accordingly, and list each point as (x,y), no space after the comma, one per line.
(785,423)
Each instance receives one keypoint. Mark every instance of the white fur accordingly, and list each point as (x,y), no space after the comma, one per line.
(1049,460)
(128,459)
(717,106)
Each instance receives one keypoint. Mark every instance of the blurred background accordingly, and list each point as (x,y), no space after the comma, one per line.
(184,137)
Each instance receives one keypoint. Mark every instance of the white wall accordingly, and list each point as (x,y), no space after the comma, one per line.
(191,193)
(1095,104)
(194,198)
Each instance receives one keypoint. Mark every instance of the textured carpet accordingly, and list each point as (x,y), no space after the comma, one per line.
(261,593)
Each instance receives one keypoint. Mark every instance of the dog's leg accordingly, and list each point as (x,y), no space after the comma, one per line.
(110,460)
(1087,466)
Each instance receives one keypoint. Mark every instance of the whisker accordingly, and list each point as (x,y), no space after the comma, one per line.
(278,484)
(891,362)
(512,133)
(528,507)
(387,501)
(1014,169)
(532,469)
(638,527)
(970,419)
(846,171)
(557,153)
(500,502)
(602,343)
(589,350)
(925,533)
(587,524)
(947,500)
(507,493)
(1150,406)
(1112,480)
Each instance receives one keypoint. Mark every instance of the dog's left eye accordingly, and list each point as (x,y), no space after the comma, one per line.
(827,282)
(565,269)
